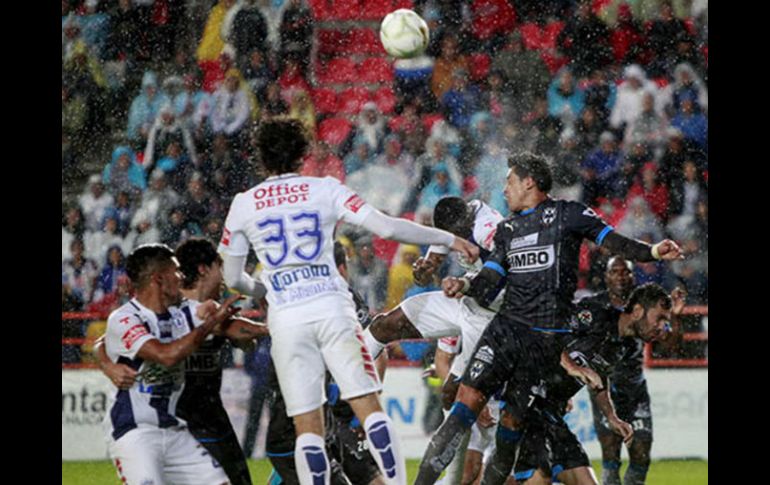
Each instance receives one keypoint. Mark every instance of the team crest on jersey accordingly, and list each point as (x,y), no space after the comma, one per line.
(354,203)
(476,369)
(590,213)
(585,317)
(225,237)
(179,321)
(549,215)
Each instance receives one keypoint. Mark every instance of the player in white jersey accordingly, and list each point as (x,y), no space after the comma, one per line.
(290,220)
(147,442)
(432,314)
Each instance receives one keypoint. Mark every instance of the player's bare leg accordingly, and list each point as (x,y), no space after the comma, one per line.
(472,467)
(507,439)
(639,462)
(380,433)
(310,449)
(386,328)
(538,478)
(583,475)
(445,441)
(611,444)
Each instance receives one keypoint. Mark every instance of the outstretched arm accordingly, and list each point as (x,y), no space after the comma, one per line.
(641,251)
(237,279)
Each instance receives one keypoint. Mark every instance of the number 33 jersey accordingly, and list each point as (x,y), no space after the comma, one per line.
(289,220)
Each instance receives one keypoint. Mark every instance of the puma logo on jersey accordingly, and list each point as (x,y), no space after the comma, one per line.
(531,259)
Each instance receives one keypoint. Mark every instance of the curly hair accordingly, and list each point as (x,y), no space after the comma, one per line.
(281,144)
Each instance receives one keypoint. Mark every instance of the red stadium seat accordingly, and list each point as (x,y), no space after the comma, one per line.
(365,41)
(385,99)
(334,130)
(375,9)
(352,99)
(553,62)
(345,9)
(338,71)
(375,70)
(331,41)
(430,119)
(479,66)
(396,122)
(321,9)
(530,35)
(325,101)
(403,4)
(549,34)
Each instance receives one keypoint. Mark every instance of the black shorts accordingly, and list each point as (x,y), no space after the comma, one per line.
(550,446)
(280,431)
(633,407)
(351,449)
(509,351)
(224,447)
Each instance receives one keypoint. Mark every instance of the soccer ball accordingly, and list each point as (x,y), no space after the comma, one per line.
(404,34)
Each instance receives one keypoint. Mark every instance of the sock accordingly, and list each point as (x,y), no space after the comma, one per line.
(385,448)
(610,472)
(375,346)
(310,459)
(454,472)
(501,463)
(444,443)
(636,473)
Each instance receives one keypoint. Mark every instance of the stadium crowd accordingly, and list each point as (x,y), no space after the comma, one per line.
(614,92)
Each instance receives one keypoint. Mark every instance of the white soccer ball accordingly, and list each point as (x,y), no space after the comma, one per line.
(404,34)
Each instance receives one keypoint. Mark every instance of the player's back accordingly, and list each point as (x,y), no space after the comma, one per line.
(289,221)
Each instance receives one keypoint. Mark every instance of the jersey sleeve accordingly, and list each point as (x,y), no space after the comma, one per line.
(587,223)
(437,249)
(497,259)
(125,335)
(234,241)
(348,205)
(485,226)
(450,345)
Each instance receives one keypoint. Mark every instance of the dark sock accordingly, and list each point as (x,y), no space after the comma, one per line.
(500,465)
(635,474)
(444,443)
(610,472)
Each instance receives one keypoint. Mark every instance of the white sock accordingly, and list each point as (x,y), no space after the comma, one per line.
(375,346)
(311,460)
(385,448)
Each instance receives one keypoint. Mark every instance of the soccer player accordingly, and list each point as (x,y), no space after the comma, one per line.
(596,349)
(629,388)
(432,314)
(146,441)
(536,253)
(289,220)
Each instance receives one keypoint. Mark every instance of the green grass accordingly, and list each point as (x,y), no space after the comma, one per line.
(674,472)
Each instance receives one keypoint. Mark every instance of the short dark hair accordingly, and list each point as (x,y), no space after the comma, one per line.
(340,256)
(450,214)
(281,144)
(528,164)
(145,260)
(648,295)
(193,252)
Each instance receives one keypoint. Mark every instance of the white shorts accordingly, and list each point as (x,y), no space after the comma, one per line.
(483,439)
(155,456)
(435,315)
(302,350)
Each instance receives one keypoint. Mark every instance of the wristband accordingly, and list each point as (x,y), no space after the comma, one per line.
(654,251)
(466,285)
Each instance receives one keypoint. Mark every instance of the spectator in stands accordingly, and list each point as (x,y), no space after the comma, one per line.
(664,35)
(258,75)
(411,129)
(368,274)
(247,33)
(177,228)
(73,227)
(123,173)
(291,79)
(143,231)
(490,170)
(567,183)
(83,75)
(97,242)
(445,65)
(674,155)
(296,32)
(600,94)
(301,109)
(126,46)
(544,129)
(274,104)
(635,156)
(156,201)
(400,277)
(193,105)
(627,38)
(110,301)
(94,201)
(639,222)
(231,109)
(693,272)
(359,157)
(526,75)
(585,40)
(440,186)
(395,157)
(114,268)
(648,187)
(196,201)
(435,154)
(649,127)
(211,43)
(122,211)
(79,272)
(588,129)
(461,100)
(74,117)
(685,192)
(491,21)
(322,162)
(370,127)
(691,122)
(381,183)
(565,98)
(686,83)
(497,97)
(629,103)
(168,130)
(144,109)
(601,169)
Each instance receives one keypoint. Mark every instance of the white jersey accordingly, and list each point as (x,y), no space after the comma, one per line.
(152,399)
(290,220)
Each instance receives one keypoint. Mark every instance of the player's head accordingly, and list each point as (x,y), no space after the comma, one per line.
(650,307)
(529,178)
(619,277)
(341,259)
(281,144)
(154,267)
(201,265)
(453,214)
